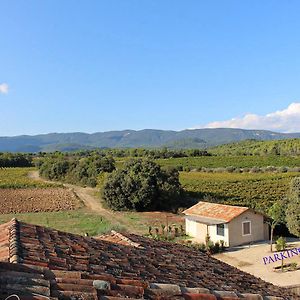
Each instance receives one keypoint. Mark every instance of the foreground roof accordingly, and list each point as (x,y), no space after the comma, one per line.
(45,262)
(215,211)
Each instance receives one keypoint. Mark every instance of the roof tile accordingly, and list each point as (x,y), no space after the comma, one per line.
(65,266)
(215,211)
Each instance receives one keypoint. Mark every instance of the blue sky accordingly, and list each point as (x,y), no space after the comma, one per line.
(92,66)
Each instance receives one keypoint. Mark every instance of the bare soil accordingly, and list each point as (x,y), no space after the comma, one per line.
(37,200)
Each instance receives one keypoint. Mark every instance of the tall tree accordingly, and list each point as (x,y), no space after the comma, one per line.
(277,215)
(293,208)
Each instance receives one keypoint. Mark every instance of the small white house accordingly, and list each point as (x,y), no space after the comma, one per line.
(235,225)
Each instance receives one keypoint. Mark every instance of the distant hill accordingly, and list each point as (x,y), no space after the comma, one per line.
(254,147)
(147,138)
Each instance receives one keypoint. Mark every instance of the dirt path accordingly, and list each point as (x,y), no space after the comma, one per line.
(88,196)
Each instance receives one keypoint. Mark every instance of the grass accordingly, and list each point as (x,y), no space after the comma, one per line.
(227,161)
(78,222)
(254,190)
(18,178)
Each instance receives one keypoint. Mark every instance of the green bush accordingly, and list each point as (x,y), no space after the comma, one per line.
(142,185)
(280,244)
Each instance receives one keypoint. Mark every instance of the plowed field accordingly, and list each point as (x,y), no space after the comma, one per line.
(37,200)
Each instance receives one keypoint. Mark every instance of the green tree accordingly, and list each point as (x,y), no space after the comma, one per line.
(293,208)
(280,246)
(277,214)
(142,185)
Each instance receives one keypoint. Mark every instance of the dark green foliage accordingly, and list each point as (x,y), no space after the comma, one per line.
(243,162)
(154,153)
(289,147)
(12,160)
(293,208)
(142,185)
(84,171)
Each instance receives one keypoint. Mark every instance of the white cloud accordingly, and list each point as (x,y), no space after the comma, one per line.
(3,88)
(286,120)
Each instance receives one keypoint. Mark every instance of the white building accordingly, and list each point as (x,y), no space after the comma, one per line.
(235,225)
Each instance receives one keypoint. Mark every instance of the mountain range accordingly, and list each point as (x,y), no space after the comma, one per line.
(147,138)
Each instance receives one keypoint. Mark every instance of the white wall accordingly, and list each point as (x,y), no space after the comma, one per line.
(200,230)
(196,230)
(212,230)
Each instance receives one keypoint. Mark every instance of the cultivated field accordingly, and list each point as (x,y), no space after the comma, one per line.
(44,203)
(227,161)
(37,200)
(16,178)
(253,190)
(21,194)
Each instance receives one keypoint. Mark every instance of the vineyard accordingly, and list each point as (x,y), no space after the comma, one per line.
(253,190)
(227,161)
(16,178)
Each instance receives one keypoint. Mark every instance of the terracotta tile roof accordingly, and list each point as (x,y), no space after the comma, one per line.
(215,211)
(4,242)
(117,238)
(49,263)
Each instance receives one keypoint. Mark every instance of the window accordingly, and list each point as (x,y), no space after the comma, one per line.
(246,228)
(220,229)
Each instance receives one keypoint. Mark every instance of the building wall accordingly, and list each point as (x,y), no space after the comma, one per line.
(236,236)
(212,229)
(200,230)
(196,230)
(233,230)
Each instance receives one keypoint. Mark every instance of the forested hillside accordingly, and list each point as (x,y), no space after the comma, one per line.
(148,138)
(288,147)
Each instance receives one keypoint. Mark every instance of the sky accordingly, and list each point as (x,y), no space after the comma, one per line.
(89,66)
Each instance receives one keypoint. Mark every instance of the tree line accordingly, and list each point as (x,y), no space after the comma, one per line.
(76,170)
(13,160)
(132,152)
(288,147)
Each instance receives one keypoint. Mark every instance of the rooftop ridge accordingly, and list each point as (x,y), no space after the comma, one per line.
(14,241)
(126,239)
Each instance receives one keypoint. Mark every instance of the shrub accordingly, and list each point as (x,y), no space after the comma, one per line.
(210,247)
(202,247)
(142,185)
(230,169)
(216,248)
(280,244)
(283,169)
(222,245)
(255,170)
